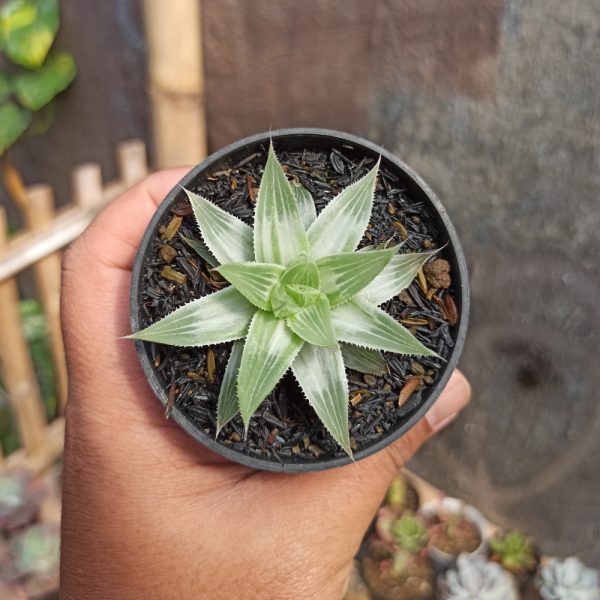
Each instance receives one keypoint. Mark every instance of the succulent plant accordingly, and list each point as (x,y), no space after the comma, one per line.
(514,552)
(398,494)
(33,553)
(568,579)
(410,534)
(20,497)
(474,578)
(301,296)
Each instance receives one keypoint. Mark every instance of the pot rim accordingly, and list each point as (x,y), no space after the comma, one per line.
(461,286)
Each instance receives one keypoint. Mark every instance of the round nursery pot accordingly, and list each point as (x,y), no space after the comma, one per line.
(453,506)
(284,434)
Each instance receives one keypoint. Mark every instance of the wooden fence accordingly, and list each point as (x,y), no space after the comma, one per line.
(38,247)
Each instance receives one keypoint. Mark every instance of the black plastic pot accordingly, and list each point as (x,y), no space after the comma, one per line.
(298,139)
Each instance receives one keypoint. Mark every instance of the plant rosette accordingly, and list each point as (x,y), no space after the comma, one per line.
(396,565)
(516,553)
(299,300)
(454,528)
(402,496)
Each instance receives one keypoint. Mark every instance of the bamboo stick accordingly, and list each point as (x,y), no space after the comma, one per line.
(17,371)
(131,158)
(39,212)
(175,67)
(46,454)
(86,181)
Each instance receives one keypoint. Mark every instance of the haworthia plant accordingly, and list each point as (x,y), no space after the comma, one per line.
(301,297)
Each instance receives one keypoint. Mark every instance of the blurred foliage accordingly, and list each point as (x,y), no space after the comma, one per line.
(36,75)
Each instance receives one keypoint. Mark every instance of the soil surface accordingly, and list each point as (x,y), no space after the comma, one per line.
(416,584)
(285,428)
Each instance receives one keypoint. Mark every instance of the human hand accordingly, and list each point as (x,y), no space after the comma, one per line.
(148,512)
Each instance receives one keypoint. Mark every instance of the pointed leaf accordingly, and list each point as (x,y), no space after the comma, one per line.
(306,205)
(344,275)
(220,317)
(313,324)
(363,360)
(321,375)
(201,249)
(279,235)
(228,238)
(304,273)
(341,224)
(13,123)
(396,276)
(227,405)
(363,324)
(35,89)
(255,281)
(269,351)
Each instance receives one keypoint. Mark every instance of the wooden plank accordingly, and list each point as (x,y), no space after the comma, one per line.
(131,158)
(39,212)
(46,454)
(17,371)
(175,68)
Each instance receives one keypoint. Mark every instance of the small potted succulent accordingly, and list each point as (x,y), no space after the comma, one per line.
(516,554)
(396,565)
(300,311)
(20,498)
(32,560)
(454,528)
(402,496)
(474,578)
(568,579)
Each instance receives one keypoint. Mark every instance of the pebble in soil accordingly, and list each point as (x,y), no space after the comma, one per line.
(285,428)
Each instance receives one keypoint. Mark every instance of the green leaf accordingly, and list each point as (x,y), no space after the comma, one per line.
(289,298)
(269,351)
(200,248)
(341,224)
(227,405)
(220,317)
(13,123)
(253,280)
(398,275)
(304,273)
(226,236)
(306,205)
(35,89)
(344,275)
(363,360)
(6,87)
(363,324)
(279,235)
(28,30)
(321,375)
(313,324)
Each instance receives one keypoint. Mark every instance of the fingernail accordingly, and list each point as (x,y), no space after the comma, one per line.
(453,399)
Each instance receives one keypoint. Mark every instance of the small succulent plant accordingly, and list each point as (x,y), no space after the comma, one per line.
(410,534)
(301,296)
(474,578)
(568,579)
(400,496)
(20,497)
(514,552)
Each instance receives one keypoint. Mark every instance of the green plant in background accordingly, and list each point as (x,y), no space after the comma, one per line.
(301,296)
(410,534)
(514,552)
(34,77)
(568,579)
(474,578)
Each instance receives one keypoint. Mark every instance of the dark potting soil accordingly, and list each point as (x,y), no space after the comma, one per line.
(285,428)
